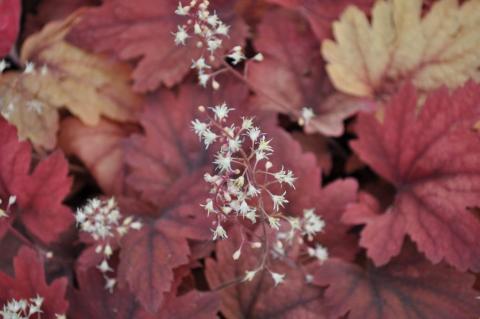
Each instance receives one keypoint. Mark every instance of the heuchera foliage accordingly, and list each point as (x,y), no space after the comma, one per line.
(368,110)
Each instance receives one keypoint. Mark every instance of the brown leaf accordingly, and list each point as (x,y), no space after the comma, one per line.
(368,58)
(89,86)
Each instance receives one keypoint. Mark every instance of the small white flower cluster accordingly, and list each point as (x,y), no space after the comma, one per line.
(11,201)
(243,180)
(243,171)
(103,221)
(22,309)
(210,32)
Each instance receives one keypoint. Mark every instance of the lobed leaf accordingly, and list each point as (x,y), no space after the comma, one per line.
(409,287)
(371,58)
(432,157)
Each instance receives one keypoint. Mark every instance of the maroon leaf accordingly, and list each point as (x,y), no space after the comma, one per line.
(147,258)
(408,288)
(29,282)
(432,157)
(142,30)
(93,301)
(39,195)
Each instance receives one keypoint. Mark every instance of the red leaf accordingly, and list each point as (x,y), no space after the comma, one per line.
(147,259)
(322,13)
(39,195)
(260,298)
(292,75)
(29,281)
(10,11)
(408,288)
(433,159)
(142,30)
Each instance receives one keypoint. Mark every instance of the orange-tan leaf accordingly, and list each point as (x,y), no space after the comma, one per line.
(368,57)
(89,86)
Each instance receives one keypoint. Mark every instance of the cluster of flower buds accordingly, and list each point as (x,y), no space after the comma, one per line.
(4,212)
(22,309)
(209,31)
(243,183)
(103,221)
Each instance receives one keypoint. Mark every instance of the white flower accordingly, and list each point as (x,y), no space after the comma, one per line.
(252,191)
(247,123)
(274,222)
(221,111)
(208,206)
(234,144)
(277,278)
(223,161)
(182,11)
(219,232)
(264,145)
(222,29)
(312,223)
(285,177)
(110,284)
(307,114)
(197,29)
(319,252)
(252,215)
(279,201)
(209,137)
(104,266)
(180,36)
(199,127)
(203,79)
(258,57)
(236,55)
(200,64)
(244,208)
(213,44)
(29,68)
(213,19)
(249,275)
(237,253)
(3,65)
(254,133)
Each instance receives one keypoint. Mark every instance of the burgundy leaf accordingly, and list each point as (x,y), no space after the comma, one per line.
(29,282)
(408,288)
(432,157)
